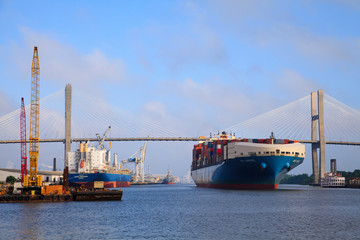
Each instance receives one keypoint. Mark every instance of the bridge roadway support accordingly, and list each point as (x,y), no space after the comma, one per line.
(314,146)
(67,122)
(321,143)
(321,133)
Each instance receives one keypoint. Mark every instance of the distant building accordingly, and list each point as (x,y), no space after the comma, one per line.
(48,176)
(4,174)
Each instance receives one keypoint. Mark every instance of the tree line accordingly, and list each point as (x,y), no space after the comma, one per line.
(305,179)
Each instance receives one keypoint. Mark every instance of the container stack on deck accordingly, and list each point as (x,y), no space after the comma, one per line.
(211,153)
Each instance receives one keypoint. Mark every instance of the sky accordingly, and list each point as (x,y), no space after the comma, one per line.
(199,66)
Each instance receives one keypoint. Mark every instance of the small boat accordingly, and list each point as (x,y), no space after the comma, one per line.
(169,179)
(333,180)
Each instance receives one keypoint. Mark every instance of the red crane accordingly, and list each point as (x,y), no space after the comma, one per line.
(23,140)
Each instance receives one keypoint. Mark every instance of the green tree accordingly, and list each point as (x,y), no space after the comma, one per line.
(306,179)
(303,179)
(350,175)
(11,179)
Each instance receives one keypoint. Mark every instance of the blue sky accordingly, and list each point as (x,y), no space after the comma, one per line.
(202,65)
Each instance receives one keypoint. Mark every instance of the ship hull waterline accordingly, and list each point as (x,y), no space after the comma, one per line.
(111,180)
(261,172)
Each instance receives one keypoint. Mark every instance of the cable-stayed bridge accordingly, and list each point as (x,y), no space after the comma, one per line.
(293,121)
(91,115)
(305,119)
(88,115)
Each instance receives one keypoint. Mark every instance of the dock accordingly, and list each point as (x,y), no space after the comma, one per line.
(82,195)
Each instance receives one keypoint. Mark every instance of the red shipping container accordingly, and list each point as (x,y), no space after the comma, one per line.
(205,150)
(218,148)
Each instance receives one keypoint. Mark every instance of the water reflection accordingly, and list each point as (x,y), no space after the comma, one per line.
(188,212)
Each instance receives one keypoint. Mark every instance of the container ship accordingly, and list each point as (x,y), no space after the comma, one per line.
(89,164)
(228,162)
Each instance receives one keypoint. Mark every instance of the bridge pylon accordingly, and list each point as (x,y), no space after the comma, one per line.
(317,120)
(67,122)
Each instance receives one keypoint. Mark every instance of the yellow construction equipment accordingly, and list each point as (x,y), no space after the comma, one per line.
(34,179)
(52,190)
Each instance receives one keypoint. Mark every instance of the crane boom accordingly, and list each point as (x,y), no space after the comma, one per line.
(101,142)
(139,163)
(23,140)
(143,154)
(33,179)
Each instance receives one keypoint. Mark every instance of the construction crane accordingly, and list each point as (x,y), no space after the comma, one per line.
(23,141)
(33,179)
(139,163)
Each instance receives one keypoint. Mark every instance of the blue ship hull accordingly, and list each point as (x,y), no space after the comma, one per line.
(111,180)
(260,172)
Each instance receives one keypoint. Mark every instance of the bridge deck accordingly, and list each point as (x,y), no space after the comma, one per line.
(189,139)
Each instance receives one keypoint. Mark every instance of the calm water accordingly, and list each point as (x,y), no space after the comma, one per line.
(188,212)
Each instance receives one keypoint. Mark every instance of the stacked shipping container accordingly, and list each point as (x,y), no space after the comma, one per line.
(211,153)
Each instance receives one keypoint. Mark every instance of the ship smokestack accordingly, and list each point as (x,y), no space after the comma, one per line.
(333,166)
(115,161)
(54,165)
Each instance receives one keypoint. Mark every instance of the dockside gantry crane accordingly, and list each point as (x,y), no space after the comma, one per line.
(139,163)
(33,180)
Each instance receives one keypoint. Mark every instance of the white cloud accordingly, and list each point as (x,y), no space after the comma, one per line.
(352,4)
(10,165)
(46,166)
(177,44)
(215,105)
(162,119)
(198,43)
(216,93)
(238,11)
(292,83)
(314,47)
(156,109)
(60,63)
(5,104)
(271,25)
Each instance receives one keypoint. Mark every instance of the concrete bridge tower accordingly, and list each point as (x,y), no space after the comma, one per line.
(317,119)
(67,122)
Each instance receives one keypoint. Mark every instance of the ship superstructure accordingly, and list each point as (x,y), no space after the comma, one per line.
(333,179)
(225,161)
(88,164)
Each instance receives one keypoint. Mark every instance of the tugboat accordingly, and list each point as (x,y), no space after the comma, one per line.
(169,179)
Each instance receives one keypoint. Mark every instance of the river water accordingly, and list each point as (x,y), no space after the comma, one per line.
(187,212)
